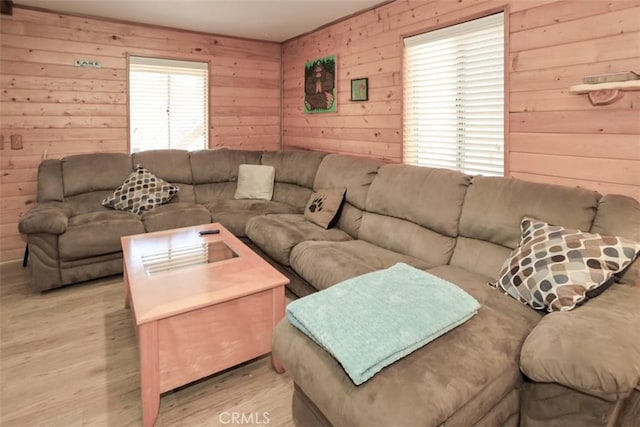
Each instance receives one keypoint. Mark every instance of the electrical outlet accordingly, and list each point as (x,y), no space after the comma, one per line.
(16,142)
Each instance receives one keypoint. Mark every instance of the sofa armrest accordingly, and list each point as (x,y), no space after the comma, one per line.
(594,349)
(49,217)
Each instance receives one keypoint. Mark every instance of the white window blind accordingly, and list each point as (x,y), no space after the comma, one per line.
(454,97)
(168,105)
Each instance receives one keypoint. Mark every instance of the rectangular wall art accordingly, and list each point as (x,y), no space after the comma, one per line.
(320,93)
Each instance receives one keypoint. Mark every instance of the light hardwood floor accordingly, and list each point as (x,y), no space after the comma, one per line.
(68,357)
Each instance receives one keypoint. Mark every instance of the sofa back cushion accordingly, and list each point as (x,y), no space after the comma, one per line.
(415,211)
(83,173)
(494,207)
(356,175)
(215,172)
(220,165)
(171,165)
(295,173)
(50,187)
(620,216)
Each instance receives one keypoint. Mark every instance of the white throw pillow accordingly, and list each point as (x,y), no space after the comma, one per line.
(255,182)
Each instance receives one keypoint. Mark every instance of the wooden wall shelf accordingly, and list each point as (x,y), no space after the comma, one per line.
(605,93)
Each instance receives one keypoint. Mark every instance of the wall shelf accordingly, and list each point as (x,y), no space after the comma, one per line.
(605,93)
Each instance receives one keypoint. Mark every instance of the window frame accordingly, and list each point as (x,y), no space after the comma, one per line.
(506,72)
(170,58)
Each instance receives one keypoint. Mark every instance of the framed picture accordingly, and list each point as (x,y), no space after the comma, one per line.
(320,94)
(360,89)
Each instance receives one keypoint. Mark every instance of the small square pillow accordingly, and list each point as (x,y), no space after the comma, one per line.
(556,268)
(140,192)
(323,206)
(255,182)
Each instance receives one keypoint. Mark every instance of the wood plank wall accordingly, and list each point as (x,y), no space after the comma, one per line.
(554,136)
(67,110)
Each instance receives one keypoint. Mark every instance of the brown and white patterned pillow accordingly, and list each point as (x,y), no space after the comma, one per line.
(556,268)
(140,192)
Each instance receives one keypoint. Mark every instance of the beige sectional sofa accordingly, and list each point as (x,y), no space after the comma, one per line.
(508,365)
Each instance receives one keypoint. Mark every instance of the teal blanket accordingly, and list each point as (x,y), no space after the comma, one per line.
(370,321)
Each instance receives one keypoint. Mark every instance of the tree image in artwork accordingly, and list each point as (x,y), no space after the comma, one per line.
(320,85)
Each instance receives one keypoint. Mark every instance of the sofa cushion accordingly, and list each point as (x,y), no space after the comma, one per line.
(620,216)
(170,165)
(323,206)
(291,194)
(494,206)
(83,173)
(458,378)
(555,268)
(429,197)
(353,173)
(48,217)
(255,182)
(220,165)
(277,235)
(324,264)
(294,166)
(175,215)
(234,214)
(594,348)
(50,181)
(97,233)
(140,192)
(215,191)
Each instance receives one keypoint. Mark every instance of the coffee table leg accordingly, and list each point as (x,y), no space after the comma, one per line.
(149,372)
(278,314)
(127,295)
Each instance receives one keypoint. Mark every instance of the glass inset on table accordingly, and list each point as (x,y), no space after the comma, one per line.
(186,256)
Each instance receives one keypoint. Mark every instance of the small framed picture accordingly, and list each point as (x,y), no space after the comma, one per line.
(360,89)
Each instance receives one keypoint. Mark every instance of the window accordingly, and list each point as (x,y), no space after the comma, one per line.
(454,97)
(168,105)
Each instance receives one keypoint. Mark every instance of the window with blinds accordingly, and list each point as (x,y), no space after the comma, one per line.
(454,97)
(168,104)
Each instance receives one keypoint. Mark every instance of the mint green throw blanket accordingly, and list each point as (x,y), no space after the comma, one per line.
(370,321)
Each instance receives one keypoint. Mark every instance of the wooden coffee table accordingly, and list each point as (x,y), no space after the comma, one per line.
(201,304)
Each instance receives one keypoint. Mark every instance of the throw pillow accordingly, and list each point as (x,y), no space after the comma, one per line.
(255,182)
(140,192)
(556,268)
(323,206)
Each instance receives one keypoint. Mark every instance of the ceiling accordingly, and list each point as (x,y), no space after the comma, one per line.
(274,20)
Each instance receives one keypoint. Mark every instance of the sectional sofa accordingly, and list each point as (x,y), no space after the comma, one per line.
(509,365)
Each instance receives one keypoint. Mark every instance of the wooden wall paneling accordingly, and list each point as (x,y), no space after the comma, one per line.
(619,146)
(552,135)
(587,51)
(610,24)
(562,77)
(65,110)
(564,11)
(599,186)
(562,100)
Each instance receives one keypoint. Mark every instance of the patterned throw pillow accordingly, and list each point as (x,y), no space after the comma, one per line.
(556,268)
(140,192)
(323,206)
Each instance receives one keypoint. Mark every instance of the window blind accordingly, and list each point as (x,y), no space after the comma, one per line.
(168,104)
(454,97)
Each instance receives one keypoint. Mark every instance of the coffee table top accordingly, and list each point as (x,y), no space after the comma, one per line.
(175,271)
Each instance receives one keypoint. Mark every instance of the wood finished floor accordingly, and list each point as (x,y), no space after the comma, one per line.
(68,357)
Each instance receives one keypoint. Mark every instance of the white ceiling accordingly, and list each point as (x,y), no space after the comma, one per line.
(275,20)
